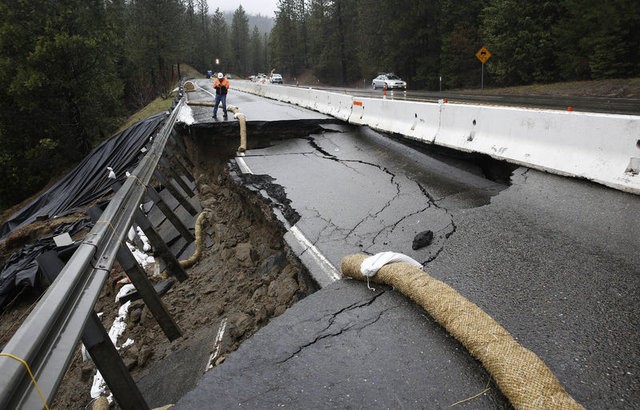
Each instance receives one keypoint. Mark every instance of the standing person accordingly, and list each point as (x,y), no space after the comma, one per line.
(221,85)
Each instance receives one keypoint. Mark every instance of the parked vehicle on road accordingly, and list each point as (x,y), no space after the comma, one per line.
(259,78)
(391,81)
(276,79)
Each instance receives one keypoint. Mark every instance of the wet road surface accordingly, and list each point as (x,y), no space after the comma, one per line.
(554,260)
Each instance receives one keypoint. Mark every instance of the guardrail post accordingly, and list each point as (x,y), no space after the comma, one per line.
(144,287)
(185,188)
(178,143)
(170,152)
(97,342)
(171,216)
(175,193)
(179,151)
(160,247)
(111,366)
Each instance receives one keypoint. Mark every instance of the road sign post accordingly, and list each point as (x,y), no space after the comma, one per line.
(483,55)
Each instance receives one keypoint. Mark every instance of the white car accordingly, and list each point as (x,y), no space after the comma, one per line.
(391,81)
(276,79)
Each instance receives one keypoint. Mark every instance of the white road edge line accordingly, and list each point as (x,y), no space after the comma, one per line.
(327,267)
(243,166)
(330,270)
(205,90)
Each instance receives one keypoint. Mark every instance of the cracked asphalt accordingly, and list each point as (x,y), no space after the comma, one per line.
(339,349)
(359,191)
(554,260)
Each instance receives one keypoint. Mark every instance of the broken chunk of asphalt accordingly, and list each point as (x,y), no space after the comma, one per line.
(422,239)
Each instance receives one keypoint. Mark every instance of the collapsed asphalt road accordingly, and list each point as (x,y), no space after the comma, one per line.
(359,191)
(554,260)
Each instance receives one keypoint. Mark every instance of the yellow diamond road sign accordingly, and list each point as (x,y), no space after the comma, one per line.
(483,55)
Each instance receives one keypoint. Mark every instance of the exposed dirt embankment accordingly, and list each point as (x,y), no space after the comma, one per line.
(245,277)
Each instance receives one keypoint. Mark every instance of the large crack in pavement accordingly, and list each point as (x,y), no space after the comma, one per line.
(434,202)
(329,228)
(312,141)
(373,240)
(387,220)
(392,227)
(349,324)
(386,205)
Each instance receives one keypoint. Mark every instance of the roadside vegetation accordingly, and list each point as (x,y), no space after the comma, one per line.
(614,88)
(159,104)
(348,41)
(73,71)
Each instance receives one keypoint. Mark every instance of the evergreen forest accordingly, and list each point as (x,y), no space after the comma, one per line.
(72,70)
(348,41)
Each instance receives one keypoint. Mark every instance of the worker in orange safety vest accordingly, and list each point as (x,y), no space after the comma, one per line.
(221,85)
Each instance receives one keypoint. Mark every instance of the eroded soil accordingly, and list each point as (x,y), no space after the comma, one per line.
(246,276)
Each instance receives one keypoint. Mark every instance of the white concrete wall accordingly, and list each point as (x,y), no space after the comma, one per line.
(412,119)
(604,148)
(336,105)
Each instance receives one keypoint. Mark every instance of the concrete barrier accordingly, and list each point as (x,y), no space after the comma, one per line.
(272,92)
(246,86)
(604,148)
(291,95)
(598,147)
(412,119)
(260,89)
(334,104)
(294,95)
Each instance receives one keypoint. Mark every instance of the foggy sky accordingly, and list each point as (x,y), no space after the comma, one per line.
(264,7)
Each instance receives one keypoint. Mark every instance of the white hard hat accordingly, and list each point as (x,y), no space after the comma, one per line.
(220,75)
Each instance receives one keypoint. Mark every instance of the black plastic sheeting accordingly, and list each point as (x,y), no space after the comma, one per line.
(84,184)
(21,271)
(89,180)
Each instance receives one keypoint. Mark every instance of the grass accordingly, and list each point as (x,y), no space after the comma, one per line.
(154,107)
(159,104)
(619,88)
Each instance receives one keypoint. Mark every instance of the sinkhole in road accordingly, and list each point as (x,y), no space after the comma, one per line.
(247,275)
(480,164)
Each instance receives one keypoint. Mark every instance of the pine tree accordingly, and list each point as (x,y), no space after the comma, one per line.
(60,90)
(257,62)
(284,39)
(460,33)
(240,41)
(519,34)
(219,50)
(598,40)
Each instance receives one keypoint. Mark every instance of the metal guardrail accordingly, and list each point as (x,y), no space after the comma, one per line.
(48,337)
(607,105)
